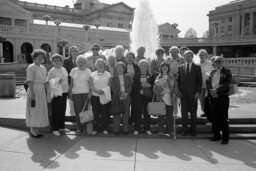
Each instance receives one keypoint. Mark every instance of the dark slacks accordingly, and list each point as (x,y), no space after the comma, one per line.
(59,104)
(140,109)
(125,104)
(219,115)
(188,104)
(167,120)
(207,108)
(79,101)
(101,114)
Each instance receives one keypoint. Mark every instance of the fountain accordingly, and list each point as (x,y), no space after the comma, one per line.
(144,30)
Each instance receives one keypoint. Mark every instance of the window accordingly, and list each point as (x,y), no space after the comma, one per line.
(223,20)
(109,24)
(165,36)
(230,28)
(222,29)
(230,19)
(20,22)
(120,25)
(5,21)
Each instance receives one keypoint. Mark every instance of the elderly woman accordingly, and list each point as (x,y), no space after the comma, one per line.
(206,68)
(100,81)
(140,54)
(36,108)
(95,48)
(119,51)
(131,70)
(155,63)
(79,90)
(174,60)
(121,86)
(111,65)
(142,94)
(166,89)
(58,80)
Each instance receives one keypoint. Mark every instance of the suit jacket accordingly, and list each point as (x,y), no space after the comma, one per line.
(69,65)
(116,89)
(191,83)
(224,82)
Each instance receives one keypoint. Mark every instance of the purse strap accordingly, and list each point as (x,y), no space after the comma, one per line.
(86,102)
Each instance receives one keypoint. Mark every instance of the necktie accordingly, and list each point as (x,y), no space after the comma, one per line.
(187,71)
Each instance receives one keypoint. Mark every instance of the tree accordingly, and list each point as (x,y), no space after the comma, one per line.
(206,34)
(190,33)
(174,25)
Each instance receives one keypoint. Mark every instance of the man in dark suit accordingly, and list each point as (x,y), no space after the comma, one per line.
(190,85)
(219,83)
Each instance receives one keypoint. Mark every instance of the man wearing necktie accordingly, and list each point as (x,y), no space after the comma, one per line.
(190,85)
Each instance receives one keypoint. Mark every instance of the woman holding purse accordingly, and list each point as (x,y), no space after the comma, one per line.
(36,109)
(142,94)
(165,89)
(121,86)
(79,90)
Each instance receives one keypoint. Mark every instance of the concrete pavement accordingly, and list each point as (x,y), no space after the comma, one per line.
(20,152)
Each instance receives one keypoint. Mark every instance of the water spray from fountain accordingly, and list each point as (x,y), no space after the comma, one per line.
(144,30)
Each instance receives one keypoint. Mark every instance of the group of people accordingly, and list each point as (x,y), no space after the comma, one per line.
(120,86)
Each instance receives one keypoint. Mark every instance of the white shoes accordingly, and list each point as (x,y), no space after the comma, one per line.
(136,133)
(56,133)
(208,124)
(148,132)
(64,130)
(105,132)
(94,132)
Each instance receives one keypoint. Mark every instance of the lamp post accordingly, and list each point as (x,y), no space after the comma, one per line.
(57,23)
(63,43)
(46,18)
(97,25)
(2,39)
(86,29)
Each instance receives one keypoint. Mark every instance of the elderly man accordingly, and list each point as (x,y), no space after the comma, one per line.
(219,83)
(95,48)
(190,85)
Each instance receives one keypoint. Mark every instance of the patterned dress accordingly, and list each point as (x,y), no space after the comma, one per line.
(37,116)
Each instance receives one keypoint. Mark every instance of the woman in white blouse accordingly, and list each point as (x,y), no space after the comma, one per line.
(58,81)
(79,89)
(100,80)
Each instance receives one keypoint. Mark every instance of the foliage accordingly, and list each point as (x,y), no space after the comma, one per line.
(190,33)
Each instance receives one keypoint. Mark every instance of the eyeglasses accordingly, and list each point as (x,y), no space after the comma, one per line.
(217,62)
(95,49)
(160,52)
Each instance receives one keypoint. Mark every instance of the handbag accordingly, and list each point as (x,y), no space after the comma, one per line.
(156,108)
(86,115)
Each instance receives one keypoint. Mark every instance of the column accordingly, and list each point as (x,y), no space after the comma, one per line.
(237,25)
(13,21)
(214,50)
(242,27)
(251,23)
(1,52)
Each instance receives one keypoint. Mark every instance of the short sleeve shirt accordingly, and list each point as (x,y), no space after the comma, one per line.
(81,80)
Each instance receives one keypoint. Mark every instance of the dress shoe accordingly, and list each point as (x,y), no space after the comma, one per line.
(214,139)
(224,142)
(33,136)
(40,135)
(203,115)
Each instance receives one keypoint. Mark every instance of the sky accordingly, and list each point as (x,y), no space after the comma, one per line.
(186,13)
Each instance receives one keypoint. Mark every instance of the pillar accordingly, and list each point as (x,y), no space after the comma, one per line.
(214,50)
(242,27)
(251,23)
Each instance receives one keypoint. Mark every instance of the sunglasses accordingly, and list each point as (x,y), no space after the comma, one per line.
(217,62)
